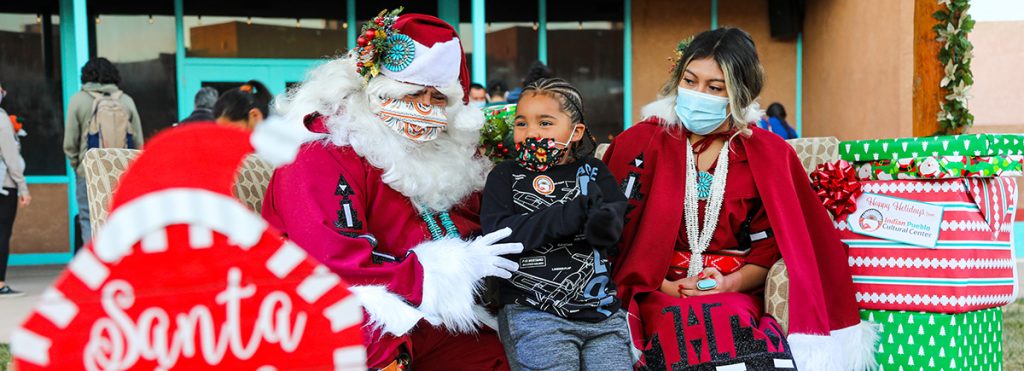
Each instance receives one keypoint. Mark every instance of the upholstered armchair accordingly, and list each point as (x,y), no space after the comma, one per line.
(103,168)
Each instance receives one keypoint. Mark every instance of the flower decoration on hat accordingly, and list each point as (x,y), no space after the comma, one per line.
(380,45)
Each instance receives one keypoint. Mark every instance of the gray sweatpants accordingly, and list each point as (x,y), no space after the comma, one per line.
(538,340)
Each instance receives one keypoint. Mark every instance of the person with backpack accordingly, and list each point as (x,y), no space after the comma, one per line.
(99,116)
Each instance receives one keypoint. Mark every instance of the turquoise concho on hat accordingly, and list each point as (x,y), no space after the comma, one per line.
(400,54)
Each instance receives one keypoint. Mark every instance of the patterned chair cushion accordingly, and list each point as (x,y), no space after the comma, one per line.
(776,294)
(815,151)
(103,168)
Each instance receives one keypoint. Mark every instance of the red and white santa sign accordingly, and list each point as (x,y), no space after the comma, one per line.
(183,276)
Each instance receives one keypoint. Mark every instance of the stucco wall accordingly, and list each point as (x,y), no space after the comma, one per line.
(658,25)
(777,56)
(858,69)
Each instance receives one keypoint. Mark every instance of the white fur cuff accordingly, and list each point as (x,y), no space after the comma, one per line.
(848,349)
(388,312)
(449,286)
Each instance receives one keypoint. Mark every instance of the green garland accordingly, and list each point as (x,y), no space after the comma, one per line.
(496,135)
(955,56)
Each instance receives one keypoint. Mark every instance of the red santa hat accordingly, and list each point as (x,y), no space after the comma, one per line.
(185,177)
(423,50)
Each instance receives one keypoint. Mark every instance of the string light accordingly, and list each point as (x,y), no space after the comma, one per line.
(535,26)
(297,22)
(98,20)
(581,25)
(151,19)
(39,18)
(248,20)
(200,18)
(344,25)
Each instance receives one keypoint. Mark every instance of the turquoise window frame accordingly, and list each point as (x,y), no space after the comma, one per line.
(74,52)
(272,72)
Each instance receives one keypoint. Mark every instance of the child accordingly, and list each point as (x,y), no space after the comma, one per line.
(559,311)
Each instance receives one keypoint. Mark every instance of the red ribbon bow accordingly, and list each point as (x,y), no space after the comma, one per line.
(838,187)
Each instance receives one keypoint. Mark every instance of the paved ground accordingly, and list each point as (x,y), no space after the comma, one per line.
(30,280)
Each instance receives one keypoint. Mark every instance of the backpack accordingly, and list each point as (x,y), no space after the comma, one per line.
(110,124)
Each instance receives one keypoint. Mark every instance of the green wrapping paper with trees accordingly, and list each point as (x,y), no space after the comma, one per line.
(935,341)
(981,145)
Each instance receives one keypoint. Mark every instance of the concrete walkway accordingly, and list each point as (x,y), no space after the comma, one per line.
(30,280)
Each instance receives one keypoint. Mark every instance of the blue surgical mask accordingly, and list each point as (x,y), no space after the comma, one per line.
(478,104)
(701,113)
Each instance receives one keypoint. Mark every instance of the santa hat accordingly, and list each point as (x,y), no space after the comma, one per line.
(183,167)
(423,50)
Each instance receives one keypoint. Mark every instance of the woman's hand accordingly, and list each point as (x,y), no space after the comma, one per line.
(688,286)
(24,200)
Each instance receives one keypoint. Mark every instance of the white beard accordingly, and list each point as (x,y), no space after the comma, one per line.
(435,175)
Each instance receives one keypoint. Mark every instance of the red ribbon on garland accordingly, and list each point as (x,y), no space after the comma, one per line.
(838,187)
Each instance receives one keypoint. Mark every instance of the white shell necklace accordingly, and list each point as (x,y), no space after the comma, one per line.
(700,238)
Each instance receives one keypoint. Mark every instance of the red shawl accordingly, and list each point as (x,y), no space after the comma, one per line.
(821,291)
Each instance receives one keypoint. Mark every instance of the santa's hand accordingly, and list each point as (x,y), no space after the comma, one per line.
(488,252)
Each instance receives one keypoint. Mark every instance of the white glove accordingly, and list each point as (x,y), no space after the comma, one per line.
(487,254)
(452,273)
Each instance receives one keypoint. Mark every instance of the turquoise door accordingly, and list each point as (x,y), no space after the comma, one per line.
(276,74)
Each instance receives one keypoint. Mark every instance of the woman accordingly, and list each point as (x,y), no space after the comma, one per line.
(775,121)
(714,203)
(244,107)
(13,194)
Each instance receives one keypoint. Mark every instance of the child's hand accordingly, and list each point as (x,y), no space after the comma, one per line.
(595,197)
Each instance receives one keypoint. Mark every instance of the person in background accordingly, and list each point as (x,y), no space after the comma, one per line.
(244,106)
(775,121)
(497,92)
(13,194)
(538,70)
(477,96)
(99,108)
(205,99)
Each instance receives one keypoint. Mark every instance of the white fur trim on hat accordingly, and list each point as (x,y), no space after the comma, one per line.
(436,66)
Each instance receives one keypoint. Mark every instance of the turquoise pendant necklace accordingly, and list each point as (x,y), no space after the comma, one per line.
(704,179)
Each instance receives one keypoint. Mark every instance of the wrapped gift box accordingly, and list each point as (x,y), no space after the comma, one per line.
(971,266)
(934,341)
(941,167)
(954,145)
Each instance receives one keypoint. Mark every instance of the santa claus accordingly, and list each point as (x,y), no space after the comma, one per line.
(385,193)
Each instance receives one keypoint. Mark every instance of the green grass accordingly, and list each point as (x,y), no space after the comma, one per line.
(1013,339)
(1013,336)
(5,357)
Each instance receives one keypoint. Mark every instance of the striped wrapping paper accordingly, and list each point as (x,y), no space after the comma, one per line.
(972,266)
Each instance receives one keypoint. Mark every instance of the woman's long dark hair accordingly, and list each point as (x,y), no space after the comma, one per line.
(236,103)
